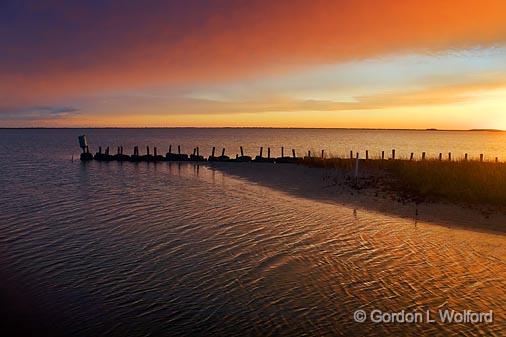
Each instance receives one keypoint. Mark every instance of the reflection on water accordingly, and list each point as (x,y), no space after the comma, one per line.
(179,249)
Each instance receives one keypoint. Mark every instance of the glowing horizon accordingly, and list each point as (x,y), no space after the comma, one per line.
(345,64)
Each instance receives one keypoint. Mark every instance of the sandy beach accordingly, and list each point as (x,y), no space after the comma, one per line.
(329,185)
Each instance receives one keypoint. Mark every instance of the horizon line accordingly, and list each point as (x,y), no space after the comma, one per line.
(247,127)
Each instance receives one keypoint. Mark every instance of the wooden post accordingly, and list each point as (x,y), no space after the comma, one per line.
(465,157)
(323,154)
(366,154)
(261,151)
(382,155)
(393,154)
(107,151)
(351,154)
(147,150)
(269,152)
(100,149)
(179,149)
(440,156)
(282,151)
(222,152)
(449,156)
(212,152)
(242,152)
(423,155)
(194,150)
(481,157)
(356,166)
(309,153)
(198,151)
(293,153)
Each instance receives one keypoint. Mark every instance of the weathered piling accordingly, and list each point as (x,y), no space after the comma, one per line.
(156,156)
(135,156)
(481,157)
(176,156)
(261,159)
(323,154)
(196,155)
(423,155)
(412,156)
(223,157)
(440,157)
(382,155)
(393,154)
(243,158)
(119,156)
(83,143)
(366,154)
(466,157)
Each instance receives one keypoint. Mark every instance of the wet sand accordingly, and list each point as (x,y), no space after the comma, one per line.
(329,185)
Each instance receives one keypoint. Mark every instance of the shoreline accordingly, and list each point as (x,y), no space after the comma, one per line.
(328,185)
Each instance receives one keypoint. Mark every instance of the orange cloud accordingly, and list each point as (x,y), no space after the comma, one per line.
(236,39)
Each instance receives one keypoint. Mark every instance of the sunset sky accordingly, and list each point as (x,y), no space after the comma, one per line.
(341,63)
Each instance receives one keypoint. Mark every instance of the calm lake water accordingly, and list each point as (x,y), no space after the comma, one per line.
(173,249)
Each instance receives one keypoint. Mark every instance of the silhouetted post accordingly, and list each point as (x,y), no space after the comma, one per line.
(366,154)
(309,153)
(212,152)
(261,151)
(423,155)
(412,155)
(170,149)
(465,157)
(242,152)
(179,149)
(223,152)
(356,166)
(194,150)
(83,143)
(449,156)
(481,157)
(121,148)
(269,152)
(440,156)
(351,154)
(100,149)
(282,151)
(382,155)
(393,154)
(293,153)
(147,150)
(117,152)
(323,154)
(198,151)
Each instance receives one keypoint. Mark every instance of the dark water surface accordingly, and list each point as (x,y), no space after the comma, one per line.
(173,249)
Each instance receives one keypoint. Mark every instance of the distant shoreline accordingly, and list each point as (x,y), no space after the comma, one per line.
(244,127)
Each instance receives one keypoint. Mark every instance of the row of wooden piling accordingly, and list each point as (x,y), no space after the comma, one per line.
(196,156)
